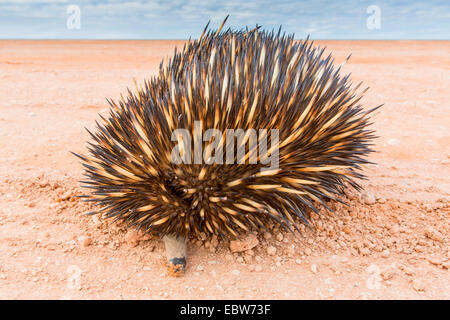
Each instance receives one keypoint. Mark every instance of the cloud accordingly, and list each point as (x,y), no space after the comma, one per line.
(324,19)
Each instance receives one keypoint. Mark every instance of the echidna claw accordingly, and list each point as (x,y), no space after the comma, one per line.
(176,266)
(178,262)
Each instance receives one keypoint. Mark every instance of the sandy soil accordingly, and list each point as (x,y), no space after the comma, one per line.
(392,242)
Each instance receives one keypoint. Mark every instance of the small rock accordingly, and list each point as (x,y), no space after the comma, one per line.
(280,237)
(271,251)
(214,241)
(240,260)
(434,261)
(364,251)
(114,245)
(419,285)
(308,251)
(248,259)
(385,253)
(314,268)
(347,230)
(419,249)
(291,251)
(434,235)
(298,261)
(66,196)
(132,238)
(267,235)
(96,221)
(85,241)
(408,271)
(368,197)
(143,236)
(199,267)
(30,204)
(387,274)
(244,244)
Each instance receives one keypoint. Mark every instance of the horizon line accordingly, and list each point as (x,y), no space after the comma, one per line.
(180,39)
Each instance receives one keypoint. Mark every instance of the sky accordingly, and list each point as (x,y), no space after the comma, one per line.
(181,19)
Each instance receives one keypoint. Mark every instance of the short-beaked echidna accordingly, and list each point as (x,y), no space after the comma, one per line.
(247,79)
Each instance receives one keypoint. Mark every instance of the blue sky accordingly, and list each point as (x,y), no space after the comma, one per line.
(178,19)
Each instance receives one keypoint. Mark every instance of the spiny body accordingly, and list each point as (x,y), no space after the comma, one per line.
(249,79)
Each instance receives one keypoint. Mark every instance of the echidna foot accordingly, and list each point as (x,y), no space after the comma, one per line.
(175,254)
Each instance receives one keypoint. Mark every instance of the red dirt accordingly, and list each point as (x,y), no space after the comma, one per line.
(391,243)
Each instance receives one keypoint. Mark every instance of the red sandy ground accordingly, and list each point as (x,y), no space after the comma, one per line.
(391,243)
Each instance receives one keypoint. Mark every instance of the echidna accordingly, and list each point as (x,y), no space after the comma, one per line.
(251,81)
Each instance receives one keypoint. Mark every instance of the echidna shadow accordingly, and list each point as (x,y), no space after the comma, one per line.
(241,80)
